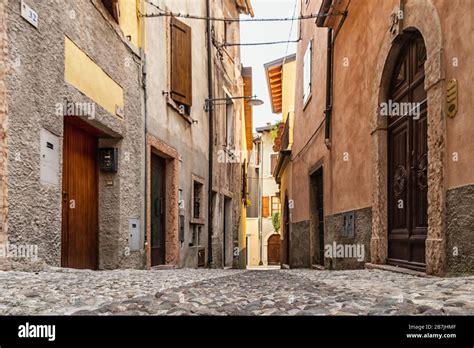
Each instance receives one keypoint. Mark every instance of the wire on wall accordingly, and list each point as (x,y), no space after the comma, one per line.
(163,13)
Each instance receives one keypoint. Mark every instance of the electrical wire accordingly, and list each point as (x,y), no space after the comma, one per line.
(258,43)
(164,13)
(291,32)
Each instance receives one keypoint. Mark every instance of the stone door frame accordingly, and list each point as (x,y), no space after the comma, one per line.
(171,230)
(421,16)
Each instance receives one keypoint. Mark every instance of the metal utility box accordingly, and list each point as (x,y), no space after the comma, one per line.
(108,159)
(348,225)
(134,234)
(49,157)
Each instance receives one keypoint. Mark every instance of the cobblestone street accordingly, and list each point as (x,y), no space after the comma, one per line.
(232,292)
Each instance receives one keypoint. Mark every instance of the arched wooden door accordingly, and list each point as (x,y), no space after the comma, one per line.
(273,248)
(408,157)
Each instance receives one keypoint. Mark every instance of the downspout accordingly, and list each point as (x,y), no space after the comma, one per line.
(145,132)
(211,134)
(329,89)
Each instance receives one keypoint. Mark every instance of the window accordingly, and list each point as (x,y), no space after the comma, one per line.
(275,204)
(265,206)
(197,200)
(273,162)
(113,8)
(229,123)
(181,64)
(307,70)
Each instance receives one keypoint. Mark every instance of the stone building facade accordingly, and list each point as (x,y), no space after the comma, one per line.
(72,66)
(179,132)
(396,186)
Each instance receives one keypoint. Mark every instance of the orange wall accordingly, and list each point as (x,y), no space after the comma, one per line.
(348,184)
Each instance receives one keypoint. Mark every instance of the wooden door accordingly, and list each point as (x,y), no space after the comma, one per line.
(408,160)
(158,210)
(273,249)
(79,247)
(286,231)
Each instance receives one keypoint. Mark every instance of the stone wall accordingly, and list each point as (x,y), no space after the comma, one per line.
(4,66)
(333,225)
(460,230)
(300,245)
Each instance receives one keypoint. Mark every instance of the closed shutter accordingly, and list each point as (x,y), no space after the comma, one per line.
(181,63)
(273,162)
(265,206)
(307,71)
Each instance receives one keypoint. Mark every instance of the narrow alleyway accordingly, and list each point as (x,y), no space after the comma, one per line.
(233,292)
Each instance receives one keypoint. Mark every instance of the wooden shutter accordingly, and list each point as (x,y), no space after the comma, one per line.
(181,63)
(265,206)
(273,162)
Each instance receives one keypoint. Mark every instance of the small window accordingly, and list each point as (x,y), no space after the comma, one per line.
(275,204)
(113,8)
(307,71)
(197,200)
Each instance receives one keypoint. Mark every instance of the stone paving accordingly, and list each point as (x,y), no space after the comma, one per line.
(233,292)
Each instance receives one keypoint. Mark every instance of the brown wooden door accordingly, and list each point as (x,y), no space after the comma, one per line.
(274,249)
(79,247)
(408,160)
(158,210)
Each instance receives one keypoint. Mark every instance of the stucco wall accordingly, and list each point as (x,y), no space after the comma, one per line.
(35,85)
(165,123)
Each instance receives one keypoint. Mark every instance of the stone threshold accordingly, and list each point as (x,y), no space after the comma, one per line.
(396,269)
(318,267)
(285,266)
(162,267)
(263,268)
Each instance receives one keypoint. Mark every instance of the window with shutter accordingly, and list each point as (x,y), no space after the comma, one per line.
(273,162)
(181,63)
(265,206)
(307,72)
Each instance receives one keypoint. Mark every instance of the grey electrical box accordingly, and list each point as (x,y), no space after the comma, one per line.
(348,225)
(49,157)
(134,234)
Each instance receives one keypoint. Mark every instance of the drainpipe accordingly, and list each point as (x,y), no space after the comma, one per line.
(145,130)
(211,133)
(329,89)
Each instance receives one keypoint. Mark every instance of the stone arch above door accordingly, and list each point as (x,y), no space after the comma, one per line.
(421,16)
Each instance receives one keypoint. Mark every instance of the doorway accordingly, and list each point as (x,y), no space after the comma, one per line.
(317,216)
(408,158)
(158,210)
(79,237)
(227,238)
(286,232)
(273,249)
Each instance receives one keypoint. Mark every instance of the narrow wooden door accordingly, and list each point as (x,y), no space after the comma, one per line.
(158,210)
(408,159)
(79,247)
(273,249)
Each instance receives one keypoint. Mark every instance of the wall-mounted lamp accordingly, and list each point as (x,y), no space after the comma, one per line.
(252,100)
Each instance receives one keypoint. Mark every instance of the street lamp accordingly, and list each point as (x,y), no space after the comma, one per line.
(252,100)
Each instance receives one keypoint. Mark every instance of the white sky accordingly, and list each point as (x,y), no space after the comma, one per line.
(257,56)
